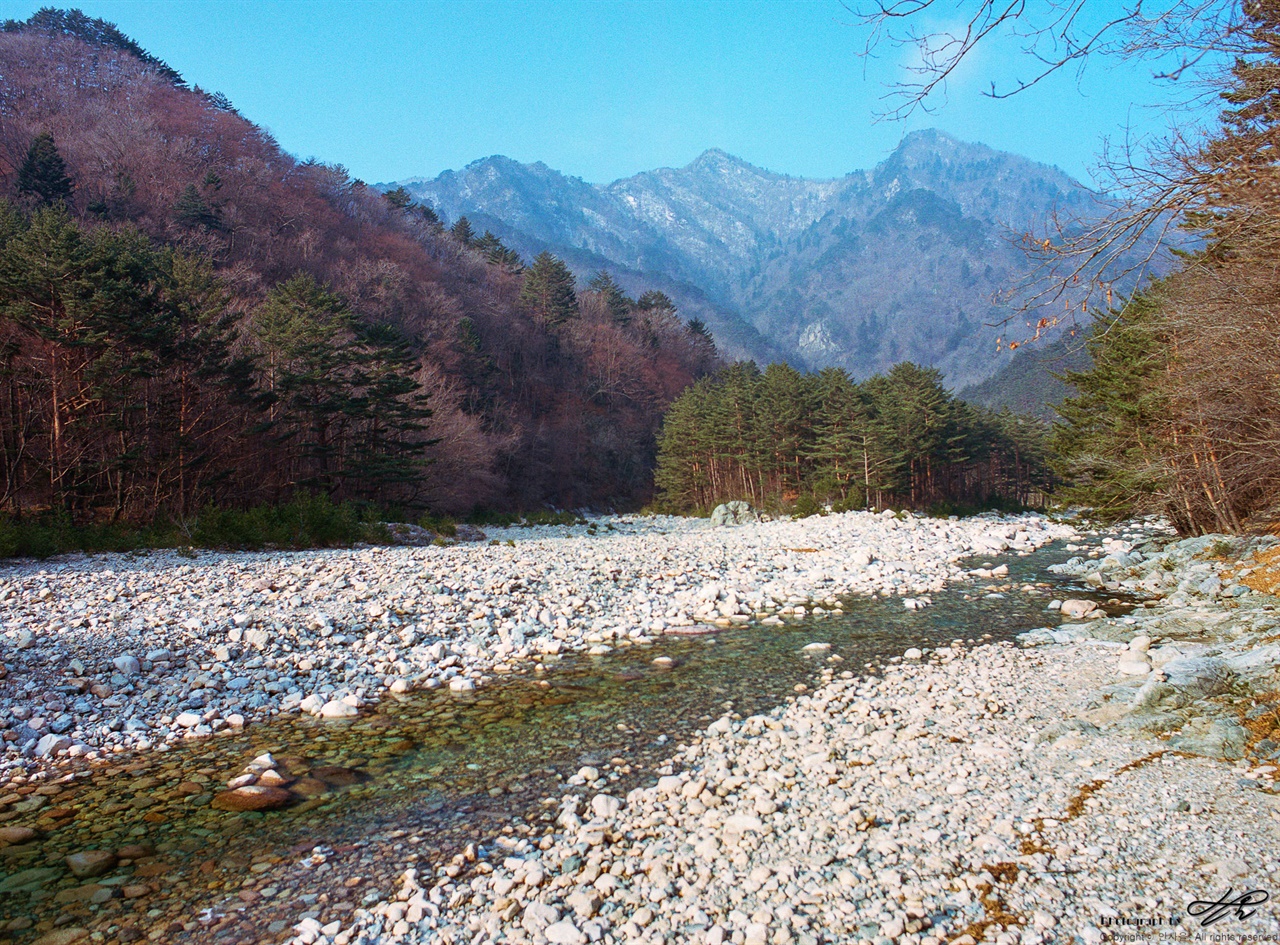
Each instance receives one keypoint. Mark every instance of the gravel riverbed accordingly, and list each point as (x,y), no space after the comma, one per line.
(1049,792)
(120,652)
(1089,783)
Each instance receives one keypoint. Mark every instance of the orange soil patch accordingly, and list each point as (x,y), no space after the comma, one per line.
(1265,576)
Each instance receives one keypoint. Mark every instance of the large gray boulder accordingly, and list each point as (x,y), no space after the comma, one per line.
(1224,739)
(734,513)
(1199,676)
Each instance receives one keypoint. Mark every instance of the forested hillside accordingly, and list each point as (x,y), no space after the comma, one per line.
(1180,412)
(1032,382)
(791,441)
(189,315)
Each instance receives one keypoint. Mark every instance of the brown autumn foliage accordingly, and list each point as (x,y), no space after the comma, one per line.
(522,414)
(1181,412)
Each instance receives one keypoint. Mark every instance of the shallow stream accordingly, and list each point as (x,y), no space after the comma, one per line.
(424,775)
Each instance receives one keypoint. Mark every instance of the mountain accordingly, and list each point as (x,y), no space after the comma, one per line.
(1031,382)
(905,261)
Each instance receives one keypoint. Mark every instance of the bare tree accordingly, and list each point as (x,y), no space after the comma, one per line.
(1150,189)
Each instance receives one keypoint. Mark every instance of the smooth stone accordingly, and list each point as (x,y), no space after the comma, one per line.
(336,709)
(51,744)
(1077,609)
(252,797)
(11,836)
(605,806)
(127,664)
(29,879)
(564,932)
(63,936)
(91,863)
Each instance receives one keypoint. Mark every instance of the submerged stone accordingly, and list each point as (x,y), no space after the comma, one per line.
(252,797)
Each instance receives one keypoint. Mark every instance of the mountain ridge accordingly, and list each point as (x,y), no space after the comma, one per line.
(903,260)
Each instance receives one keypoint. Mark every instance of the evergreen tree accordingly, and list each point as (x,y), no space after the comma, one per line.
(841,443)
(190,210)
(784,418)
(683,475)
(1108,436)
(616,303)
(462,232)
(303,333)
(653,300)
(391,413)
(399,198)
(496,253)
(548,292)
(43,174)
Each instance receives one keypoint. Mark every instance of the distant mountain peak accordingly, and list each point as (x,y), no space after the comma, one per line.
(896,263)
(715,160)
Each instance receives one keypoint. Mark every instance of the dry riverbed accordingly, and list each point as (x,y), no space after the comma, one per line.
(1057,793)
(1089,785)
(120,652)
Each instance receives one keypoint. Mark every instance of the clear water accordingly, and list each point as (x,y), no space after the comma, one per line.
(426,774)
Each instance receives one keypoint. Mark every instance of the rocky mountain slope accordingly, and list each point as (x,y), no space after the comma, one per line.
(905,261)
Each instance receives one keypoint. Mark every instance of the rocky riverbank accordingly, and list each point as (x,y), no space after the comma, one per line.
(1108,781)
(114,653)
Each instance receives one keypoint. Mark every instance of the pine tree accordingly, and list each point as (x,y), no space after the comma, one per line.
(1108,436)
(462,232)
(190,210)
(496,253)
(304,339)
(652,300)
(399,198)
(548,292)
(840,451)
(784,417)
(616,303)
(43,174)
(390,412)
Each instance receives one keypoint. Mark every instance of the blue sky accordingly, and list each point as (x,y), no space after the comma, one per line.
(601,89)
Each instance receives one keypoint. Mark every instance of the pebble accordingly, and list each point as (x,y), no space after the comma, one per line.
(252,797)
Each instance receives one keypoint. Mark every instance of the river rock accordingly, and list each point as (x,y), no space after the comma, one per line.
(51,744)
(252,797)
(91,863)
(605,806)
(63,936)
(736,512)
(1199,677)
(337,776)
(127,664)
(1224,739)
(1075,609)
(564,932)
(337,709)
(12,836)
